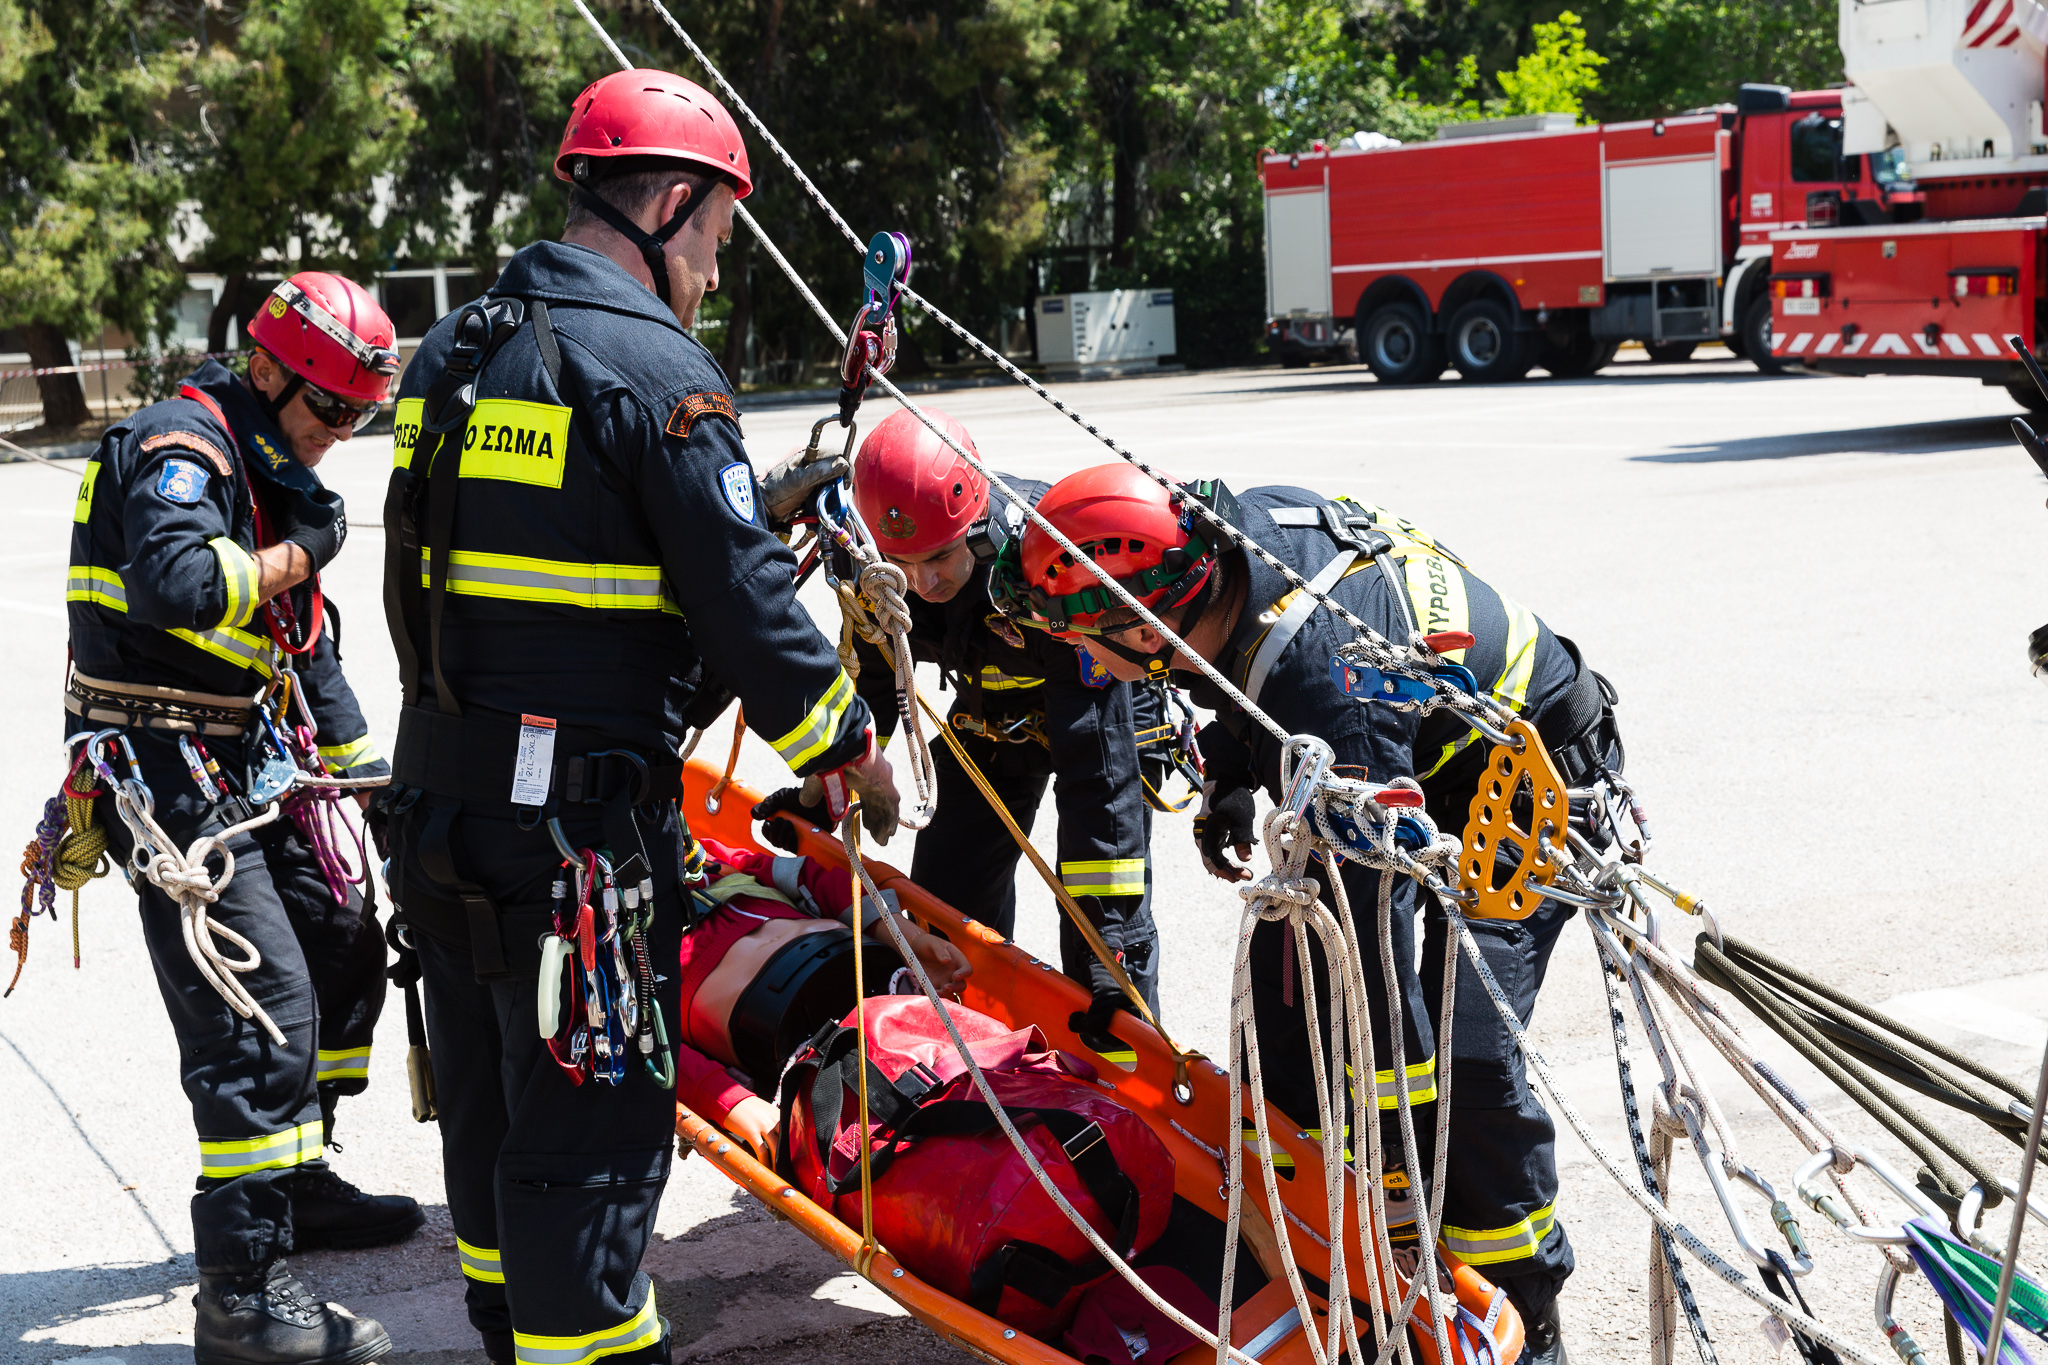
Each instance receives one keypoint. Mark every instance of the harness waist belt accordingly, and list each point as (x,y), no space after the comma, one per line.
(471,758)
(105,702)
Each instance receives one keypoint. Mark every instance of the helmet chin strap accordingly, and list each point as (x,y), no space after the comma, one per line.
(1158,663)
(274,407)
(650,243)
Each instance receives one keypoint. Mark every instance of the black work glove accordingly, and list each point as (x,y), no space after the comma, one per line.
(1226,818)
(774,813)
(314,521)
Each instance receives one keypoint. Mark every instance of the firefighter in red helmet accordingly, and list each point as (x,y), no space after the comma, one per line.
(1028,709)
(1274,643)
(582,568)
(194,599)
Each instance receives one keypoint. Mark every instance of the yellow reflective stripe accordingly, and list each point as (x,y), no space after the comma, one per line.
(1491,1246)
(642,1329)
(239,647)
(1110,877)
(236,646)
(518,578)
(405,430)
(1421,1084)
(1281,1161)
(81,510)
(103,586)
(1512,686)
(238,571)
(239,1156)
(995,680)
(815,733)
(347,1064)
(352,754)
(480,1263)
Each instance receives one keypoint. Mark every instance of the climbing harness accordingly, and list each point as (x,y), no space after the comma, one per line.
(1525,840)
(1168,745)
(285,775)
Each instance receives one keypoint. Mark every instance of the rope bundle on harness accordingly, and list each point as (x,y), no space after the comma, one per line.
(69,849)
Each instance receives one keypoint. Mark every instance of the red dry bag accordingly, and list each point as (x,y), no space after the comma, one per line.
(953,1201)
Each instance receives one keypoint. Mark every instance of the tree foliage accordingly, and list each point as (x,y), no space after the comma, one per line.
(1019,143)
(302,108)
(87,190)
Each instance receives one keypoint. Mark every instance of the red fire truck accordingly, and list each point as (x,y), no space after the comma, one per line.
(1894,226)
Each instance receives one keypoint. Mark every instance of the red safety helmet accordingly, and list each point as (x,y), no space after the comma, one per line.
(1140,535)
(645,112)
(330,333)
(913,491)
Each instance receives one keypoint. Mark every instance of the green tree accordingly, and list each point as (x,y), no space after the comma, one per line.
(1555,77)
(88,192)
(302,111)
(491,81)
(1682,54)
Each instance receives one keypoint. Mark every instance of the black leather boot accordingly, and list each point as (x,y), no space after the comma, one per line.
(1543,1331)
(269,1318)
(328,1213)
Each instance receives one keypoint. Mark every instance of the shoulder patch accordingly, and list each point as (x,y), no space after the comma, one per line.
(736,481)
(181,481)
(1093,674)
(696,405)
(192,441)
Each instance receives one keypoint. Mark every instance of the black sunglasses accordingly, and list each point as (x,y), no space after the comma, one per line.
(333,412)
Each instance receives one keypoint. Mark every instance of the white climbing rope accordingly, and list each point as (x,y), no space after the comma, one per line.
(850,841)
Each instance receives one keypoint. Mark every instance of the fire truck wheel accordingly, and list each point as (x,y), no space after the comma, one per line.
(1669,352)
(1397,345)
(1576,358)
(1756,336)
(2028,397)
(1485,348)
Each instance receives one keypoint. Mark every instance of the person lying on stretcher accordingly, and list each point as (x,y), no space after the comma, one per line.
(769,962)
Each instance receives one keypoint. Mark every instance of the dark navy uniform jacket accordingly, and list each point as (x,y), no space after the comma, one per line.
(1515,656)
(162,588)
(610,549)
(998,673)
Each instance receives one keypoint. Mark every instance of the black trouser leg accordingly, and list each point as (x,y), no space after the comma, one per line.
(253,1103)
(965,857)
(345,953)
(469,1055)
(1279,979)
(1140,950)
(1500,1204)
(560,1180)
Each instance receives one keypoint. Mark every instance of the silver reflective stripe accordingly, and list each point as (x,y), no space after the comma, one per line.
(787,875)
(585,588)
(1296,516)
(1275,1333)
(1296,616)
(637,1331)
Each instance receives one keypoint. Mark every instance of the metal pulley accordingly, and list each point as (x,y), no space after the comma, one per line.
(871,340)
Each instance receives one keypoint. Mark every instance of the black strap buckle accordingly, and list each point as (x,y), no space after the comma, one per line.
(1357,528)
(1080,1142)
(584,779)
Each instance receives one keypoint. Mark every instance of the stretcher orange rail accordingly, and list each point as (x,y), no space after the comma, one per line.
(1011,985)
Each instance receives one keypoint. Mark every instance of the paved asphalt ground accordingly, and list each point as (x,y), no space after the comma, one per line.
(1813,595)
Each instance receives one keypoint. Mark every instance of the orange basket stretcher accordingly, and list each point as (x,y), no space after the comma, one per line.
(1011,985)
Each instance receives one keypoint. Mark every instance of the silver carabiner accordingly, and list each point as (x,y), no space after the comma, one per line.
(1908,1350)
(1823,1203)
(1304,762)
